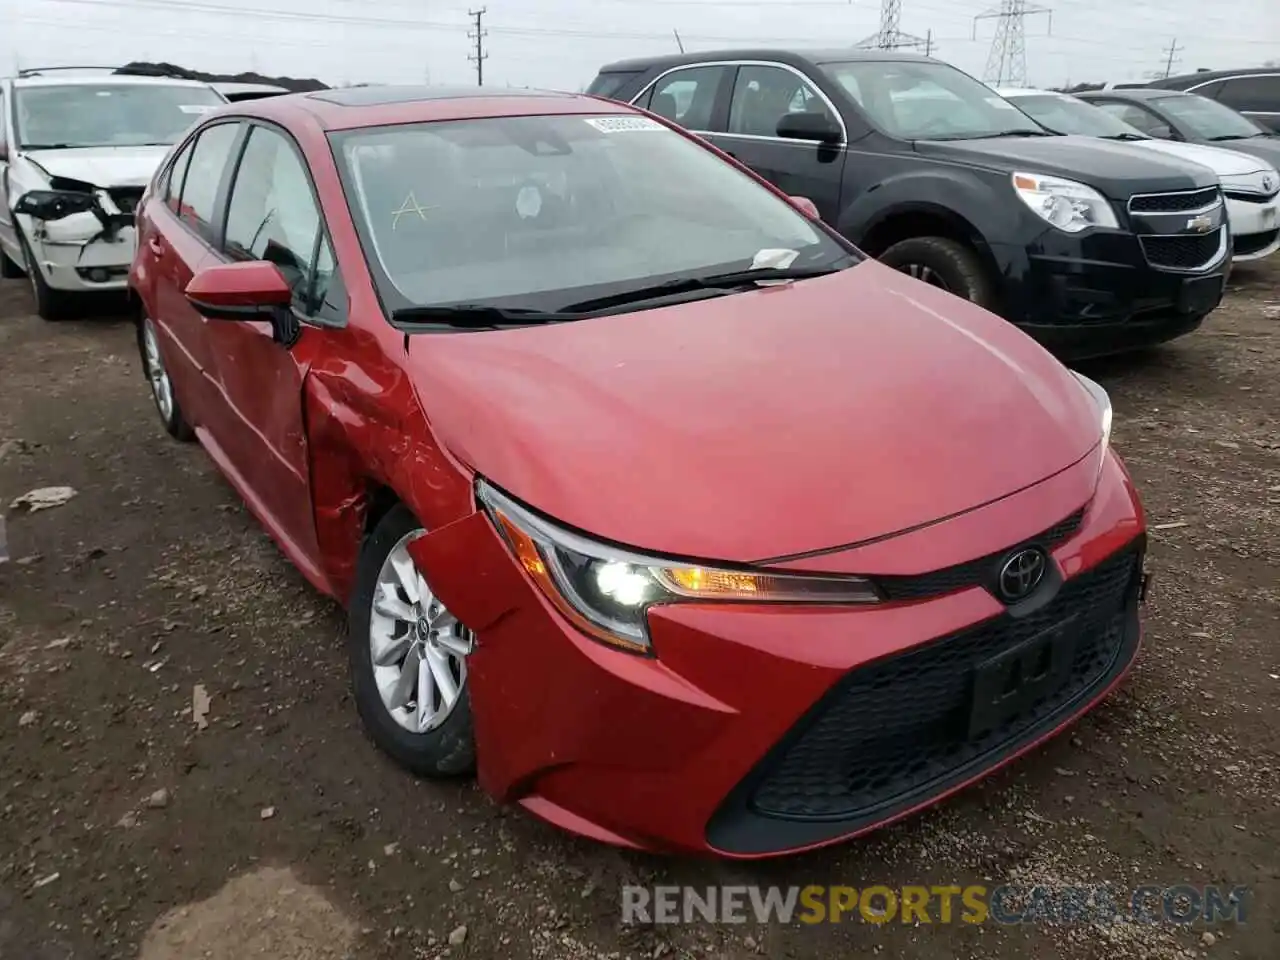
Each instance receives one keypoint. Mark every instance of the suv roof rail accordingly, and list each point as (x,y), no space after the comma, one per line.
(37,71)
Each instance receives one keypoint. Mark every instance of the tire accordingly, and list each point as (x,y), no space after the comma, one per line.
(446,748)
(162,392)
(51,304)
(10,269)
(944,263)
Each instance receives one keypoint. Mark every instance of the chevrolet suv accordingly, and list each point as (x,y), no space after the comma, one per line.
(1091,247)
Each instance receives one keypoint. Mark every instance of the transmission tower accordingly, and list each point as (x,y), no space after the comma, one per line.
(1007,62)
(1171,57)
(479,56)
(889,36)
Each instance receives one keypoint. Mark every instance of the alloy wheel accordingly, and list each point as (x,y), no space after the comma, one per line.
(417,646)
(925,274)
(157,376)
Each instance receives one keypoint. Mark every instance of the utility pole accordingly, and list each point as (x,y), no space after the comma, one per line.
(928,42)
(889,36)
(479,57)
(1007,62)
(1170,58)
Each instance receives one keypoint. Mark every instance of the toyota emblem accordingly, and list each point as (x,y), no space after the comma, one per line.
(1268,183)
(1021,574)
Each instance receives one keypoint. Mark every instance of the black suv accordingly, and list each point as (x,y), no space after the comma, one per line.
(1091,247)
(1254,92)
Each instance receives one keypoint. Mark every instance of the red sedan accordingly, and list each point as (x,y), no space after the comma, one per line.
(649,497)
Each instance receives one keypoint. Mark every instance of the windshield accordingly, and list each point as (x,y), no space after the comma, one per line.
(1069,115)
(921,100)
(108,114)
(544,211)
(1207,119)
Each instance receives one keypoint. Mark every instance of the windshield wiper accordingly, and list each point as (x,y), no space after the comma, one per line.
(46,146)
(475,316)
(715,281)
(1126,136)
(1023,133)
(1237,136)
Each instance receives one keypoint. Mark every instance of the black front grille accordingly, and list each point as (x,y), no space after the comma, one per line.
(895,733)
(971,573)
(126,198)
(1182,252)
(1253,242)
(1248,197)
(1173,202)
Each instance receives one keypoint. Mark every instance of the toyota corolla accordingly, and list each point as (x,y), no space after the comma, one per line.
(652,501)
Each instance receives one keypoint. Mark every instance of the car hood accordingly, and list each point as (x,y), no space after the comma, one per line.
(757,425)
(1223,162)
(101,166)
(1118,170)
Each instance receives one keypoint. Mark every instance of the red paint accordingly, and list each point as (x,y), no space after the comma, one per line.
(856,423)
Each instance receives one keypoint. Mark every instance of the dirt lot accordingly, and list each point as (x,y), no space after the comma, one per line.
(154,578)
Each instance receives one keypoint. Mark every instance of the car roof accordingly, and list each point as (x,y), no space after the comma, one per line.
(351,108)
(1185,80)
(794,57)
(104,79)
(1013,92)
(1136,93)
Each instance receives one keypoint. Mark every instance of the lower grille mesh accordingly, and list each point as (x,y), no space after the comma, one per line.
(895,727)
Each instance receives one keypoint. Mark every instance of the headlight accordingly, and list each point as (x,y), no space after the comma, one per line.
(1068,205)
(54,204)
(605,590)
(1103,401)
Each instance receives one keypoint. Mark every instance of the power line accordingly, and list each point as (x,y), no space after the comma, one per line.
(1171,59)
(479,57)
(1008,58)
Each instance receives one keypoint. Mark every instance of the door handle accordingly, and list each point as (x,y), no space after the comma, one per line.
(157,247)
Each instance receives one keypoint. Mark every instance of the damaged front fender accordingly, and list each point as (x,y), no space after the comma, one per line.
(67,197)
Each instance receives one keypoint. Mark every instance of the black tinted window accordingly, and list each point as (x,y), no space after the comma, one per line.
(764,95)
(688,97)
(273,214)
(204,174)
(1251,93)
(608,84)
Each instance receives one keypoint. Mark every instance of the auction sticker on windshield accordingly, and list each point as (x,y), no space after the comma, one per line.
(623,124)
(198,107)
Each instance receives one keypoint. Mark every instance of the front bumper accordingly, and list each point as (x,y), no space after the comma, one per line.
(762,730)
(1255,223)
(1097,294)
(73,254)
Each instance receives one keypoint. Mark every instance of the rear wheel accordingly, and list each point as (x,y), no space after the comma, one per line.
(161,385)
(408,657)
(51,304)
(943,263)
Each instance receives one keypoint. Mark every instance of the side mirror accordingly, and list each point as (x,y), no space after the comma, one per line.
(248,290)
(806,206)
(809,126)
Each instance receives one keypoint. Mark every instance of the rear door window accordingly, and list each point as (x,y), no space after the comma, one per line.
(1259,94)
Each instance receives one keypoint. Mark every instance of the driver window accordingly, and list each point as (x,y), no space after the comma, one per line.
(273,215)
(764,95)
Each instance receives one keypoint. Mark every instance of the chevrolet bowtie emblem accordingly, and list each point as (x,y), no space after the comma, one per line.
(1200,224)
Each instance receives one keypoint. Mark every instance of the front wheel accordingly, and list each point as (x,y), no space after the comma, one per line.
(945,264)
(51,304)
(408,657)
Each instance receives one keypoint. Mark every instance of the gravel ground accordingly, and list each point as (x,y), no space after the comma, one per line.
(128,831)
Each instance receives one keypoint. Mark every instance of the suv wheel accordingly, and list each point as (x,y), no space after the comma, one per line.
(945,264)
(51,304)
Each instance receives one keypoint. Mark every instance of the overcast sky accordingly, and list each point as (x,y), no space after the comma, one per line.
(560,43)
